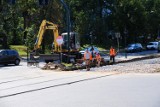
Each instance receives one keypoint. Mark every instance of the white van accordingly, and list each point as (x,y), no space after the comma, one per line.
(152,45)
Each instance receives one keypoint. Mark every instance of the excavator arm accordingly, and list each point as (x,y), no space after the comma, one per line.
(43,27)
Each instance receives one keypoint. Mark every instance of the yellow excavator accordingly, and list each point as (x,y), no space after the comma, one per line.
(65,50)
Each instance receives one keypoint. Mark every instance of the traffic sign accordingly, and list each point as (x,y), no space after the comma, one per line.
(59,40)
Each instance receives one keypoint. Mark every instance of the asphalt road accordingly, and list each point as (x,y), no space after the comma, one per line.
(22,86)
(127,90)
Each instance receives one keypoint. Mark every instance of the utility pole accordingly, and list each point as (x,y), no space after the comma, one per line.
(68,26)
(117,36)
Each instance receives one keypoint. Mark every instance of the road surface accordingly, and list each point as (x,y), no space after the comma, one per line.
(131,84)
(127,90)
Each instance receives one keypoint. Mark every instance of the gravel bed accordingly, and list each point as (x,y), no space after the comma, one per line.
(142,66)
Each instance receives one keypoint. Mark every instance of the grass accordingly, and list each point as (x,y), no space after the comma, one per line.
(22,50)
(67,65)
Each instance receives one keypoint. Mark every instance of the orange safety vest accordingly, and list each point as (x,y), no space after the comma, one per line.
(98,57)
(112,52)
(87,55)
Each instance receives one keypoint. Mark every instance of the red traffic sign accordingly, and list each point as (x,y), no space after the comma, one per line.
(59,40)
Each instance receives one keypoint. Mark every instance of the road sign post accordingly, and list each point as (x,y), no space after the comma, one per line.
(59,40)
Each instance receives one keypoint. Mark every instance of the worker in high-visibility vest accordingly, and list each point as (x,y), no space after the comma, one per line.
(98,59)
(112,54)
(87,59)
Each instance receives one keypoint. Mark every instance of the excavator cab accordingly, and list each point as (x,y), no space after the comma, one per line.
(74,41)
(71,47)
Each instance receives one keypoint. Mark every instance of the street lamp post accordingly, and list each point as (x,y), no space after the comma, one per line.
(68,25)
(125,34)
(158,35)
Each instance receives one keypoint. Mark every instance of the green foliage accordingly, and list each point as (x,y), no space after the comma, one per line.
(22,50)
(20,22)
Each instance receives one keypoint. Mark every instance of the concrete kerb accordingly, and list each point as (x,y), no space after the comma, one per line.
(138,58)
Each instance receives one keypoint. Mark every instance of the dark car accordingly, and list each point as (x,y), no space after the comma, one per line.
(8,56)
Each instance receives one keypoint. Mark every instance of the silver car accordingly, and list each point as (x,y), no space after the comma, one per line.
(90,49)
(135,47)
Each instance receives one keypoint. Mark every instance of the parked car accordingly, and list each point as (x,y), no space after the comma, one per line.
(152,45)
(104,56)
(95,49)
(8,56)
(135,47)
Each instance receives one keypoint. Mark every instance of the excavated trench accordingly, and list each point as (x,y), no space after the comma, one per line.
(62,67)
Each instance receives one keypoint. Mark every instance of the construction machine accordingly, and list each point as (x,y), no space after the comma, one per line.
(65,50)
(69,49)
